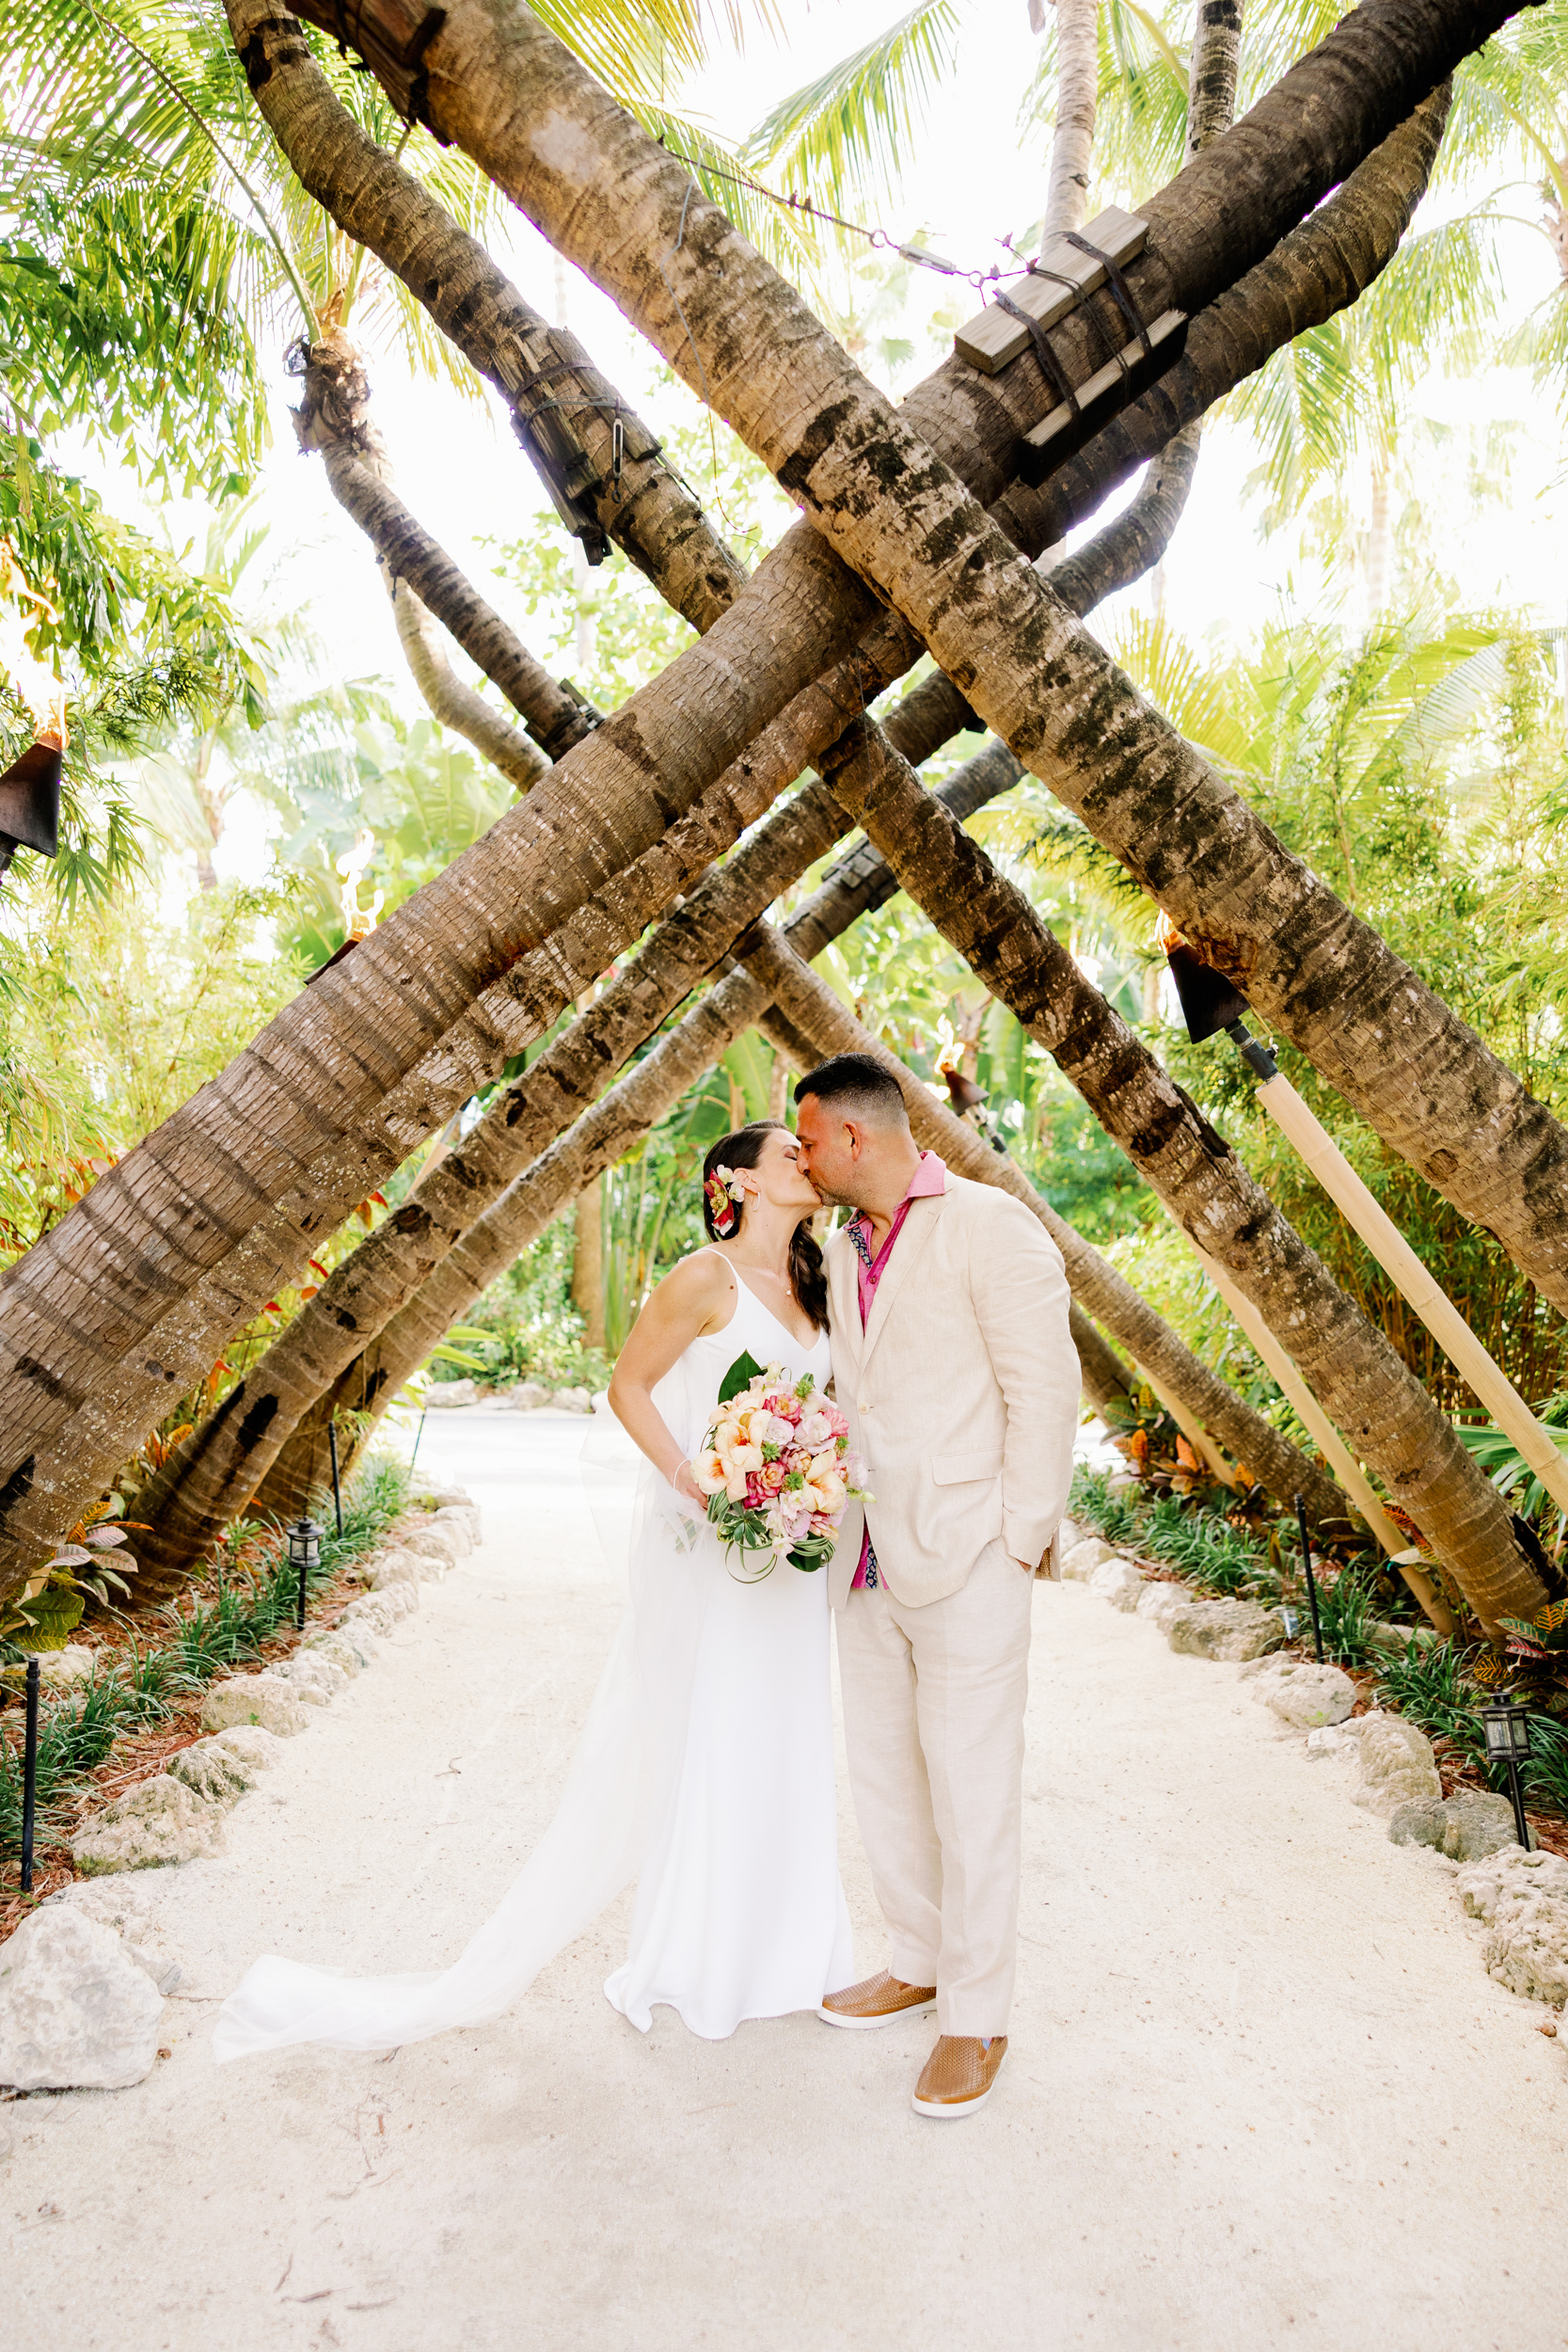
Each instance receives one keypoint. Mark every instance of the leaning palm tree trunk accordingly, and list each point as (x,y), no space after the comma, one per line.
(156,1225)
(1388,1417)
(810,1004)
(270,1436)
(1066,185)
(875,482)
(333,419)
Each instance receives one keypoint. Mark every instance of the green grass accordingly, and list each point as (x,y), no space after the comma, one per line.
(1198,1541)
(252,1602)
(1347,1613)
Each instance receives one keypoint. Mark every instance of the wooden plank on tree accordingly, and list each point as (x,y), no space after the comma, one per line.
(1109,390)
(994,340)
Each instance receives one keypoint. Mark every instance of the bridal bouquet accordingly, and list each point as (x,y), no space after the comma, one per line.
(776,1466)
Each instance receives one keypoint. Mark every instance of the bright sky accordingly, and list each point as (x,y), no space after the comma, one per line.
(972,180)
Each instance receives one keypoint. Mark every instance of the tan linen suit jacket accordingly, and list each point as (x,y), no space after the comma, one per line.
(963,1393)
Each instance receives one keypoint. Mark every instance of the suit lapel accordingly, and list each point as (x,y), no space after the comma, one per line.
(918,1227)
(842,1285)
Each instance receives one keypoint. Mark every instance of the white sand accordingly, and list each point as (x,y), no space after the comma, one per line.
(1259,2091)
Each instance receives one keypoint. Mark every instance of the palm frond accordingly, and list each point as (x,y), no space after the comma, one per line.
(849,134)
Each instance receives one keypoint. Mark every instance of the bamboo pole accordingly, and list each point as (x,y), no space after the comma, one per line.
(1193,1431)
(1340,1460)
(1469,1358)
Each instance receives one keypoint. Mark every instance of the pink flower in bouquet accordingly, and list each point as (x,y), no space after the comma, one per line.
(773,1470)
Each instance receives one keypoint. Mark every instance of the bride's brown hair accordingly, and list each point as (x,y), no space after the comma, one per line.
(744,1150)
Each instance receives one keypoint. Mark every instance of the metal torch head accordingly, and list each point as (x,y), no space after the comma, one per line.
(30,800)
(1209,1001)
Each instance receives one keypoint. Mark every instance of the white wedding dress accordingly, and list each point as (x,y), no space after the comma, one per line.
(704,1772)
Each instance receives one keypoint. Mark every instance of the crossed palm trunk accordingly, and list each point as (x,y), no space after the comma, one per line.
(1335,200)
(899,515)
(163,1222)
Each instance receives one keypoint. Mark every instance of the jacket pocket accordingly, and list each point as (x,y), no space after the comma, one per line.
(959,1469)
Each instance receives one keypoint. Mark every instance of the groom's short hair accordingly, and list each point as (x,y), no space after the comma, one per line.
(859,1087)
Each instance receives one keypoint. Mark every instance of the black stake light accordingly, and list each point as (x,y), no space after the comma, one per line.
(305,1555)
(1311,1580)
(1507,1730)
(30,1776)
(337,1488)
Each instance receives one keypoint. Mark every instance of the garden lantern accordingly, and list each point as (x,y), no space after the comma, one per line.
(1507,1730)
(305,1556)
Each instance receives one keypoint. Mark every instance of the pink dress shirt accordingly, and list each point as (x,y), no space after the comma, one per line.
(929,1179)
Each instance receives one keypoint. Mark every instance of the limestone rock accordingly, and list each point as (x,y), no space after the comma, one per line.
(256,1749)
(350,1656)
(1305,1695)
(1467,1826)
(529,1397)
(1068,1534)
(264,1698)
(1339,1742)
(1397,1766)
(59,1669)
(1080,1563)
(222,1766)
(158,1820)
(572,1401)
(315,1677)
(1421,1822)
(119,1902)
(398,1566)
(1118,1580)
(77,2009)
(1224,1629)
(381,1609)
(432,1498)
(1523,1899)
(1160,1601)
(463,1517)
(436,1548)
(442,1395)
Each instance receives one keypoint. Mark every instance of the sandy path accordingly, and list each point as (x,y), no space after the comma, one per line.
(1260,2093)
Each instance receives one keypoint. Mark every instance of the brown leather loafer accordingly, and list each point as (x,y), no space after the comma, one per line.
(876,2002)
(959,2076)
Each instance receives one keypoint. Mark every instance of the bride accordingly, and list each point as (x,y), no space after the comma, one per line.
(706,1769)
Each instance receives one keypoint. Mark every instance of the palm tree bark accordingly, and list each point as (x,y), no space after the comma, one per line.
(1066,184)
(333,420)
(1387,1417)
(452,703)
(269,1435)
(811,1005)
(900,515)
(88,1452)
(1319,269)
(573,1070)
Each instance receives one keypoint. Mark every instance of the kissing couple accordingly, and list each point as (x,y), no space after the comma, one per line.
(706,1769)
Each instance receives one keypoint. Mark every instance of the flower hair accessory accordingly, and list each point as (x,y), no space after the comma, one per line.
(723,1189)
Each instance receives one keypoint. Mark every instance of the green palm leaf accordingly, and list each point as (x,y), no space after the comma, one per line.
(850,132)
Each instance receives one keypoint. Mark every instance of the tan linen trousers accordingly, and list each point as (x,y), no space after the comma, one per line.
(933,1725)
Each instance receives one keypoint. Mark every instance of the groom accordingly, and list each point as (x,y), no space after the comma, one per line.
(953,1363)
